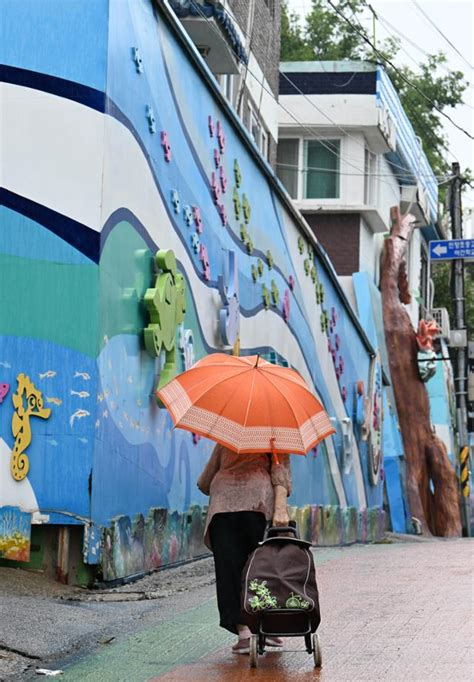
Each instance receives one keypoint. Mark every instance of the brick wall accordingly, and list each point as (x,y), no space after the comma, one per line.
(339,235)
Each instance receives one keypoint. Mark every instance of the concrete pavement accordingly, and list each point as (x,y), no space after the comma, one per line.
(399,611)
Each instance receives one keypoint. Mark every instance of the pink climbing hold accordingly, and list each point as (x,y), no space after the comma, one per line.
(217,158)
(196,438)
(337,341)
(166,145)
(286,305)
(291,282)
(204,258)
(333,315)
(344,393)
(4,388)
(210,125)
(197,218)
(221,137)
(223,178)
(216,188)
(222,213)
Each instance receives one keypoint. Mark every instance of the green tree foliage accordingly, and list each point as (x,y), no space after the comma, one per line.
(326,36)
(441,275)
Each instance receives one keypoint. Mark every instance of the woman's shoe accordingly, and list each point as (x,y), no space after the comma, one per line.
(276,642)
(242,646)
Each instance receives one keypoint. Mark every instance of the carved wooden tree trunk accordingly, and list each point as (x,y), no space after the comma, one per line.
(425,454)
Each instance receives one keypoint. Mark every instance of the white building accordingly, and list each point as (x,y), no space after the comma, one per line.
(347,153)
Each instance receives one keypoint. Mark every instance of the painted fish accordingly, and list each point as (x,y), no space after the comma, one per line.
(81,394)
(53,442)
(54,401)
(5,364)
(83,375)
(83,440)
(4,388)
(48,375)
(78,414)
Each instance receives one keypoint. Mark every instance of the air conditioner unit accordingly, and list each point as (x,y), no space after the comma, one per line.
(441,317)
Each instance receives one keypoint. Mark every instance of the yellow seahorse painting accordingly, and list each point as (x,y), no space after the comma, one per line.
(28,402)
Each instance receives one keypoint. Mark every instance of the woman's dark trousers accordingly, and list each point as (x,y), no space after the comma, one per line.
(233,535)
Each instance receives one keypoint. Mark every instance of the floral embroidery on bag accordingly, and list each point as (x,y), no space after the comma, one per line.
(263,598)
(296,602)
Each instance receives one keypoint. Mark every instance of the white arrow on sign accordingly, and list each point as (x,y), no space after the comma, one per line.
(440,250)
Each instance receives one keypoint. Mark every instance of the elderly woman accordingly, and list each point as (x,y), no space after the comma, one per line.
(246,491)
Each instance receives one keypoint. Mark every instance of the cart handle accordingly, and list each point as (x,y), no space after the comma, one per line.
(272,531)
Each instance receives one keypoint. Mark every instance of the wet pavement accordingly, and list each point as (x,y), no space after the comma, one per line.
(400,611)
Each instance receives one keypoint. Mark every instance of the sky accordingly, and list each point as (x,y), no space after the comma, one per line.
(455,18)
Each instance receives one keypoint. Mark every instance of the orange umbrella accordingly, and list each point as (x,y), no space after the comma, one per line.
(247,404)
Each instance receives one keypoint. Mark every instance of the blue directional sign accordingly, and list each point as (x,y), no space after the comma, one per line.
(451,249)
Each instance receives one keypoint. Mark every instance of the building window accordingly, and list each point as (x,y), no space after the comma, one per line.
(287,165)
(321,169)
(258,132)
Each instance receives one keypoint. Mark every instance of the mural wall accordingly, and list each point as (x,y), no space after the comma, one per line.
(117,149)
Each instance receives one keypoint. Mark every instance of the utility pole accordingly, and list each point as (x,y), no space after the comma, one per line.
(457,280)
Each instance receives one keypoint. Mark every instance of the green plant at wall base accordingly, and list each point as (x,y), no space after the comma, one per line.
(166,305)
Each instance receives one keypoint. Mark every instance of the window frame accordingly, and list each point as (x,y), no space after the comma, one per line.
(304,171)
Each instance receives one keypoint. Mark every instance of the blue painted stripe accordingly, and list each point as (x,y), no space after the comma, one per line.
(83,94)
(81,237)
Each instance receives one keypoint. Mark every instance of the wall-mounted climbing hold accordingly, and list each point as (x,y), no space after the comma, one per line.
(151,119)
(286,305)
(197,219)
(291,282)
(222,213)
(175,200)
(301,245)
(243,232)
(195,242)
(341,364)
(307,266)
(217,158)
(188,215)
(310,252)
(254,272)
(237,205)
(204,258)
(237,173)
(270,260)
(216,188)
(221,139)
(333,315)
(223,178)
(137,59)
(265,297)
(246,208)
(337,341)
(344,393)
(314,274)
(275,293)
(166,145)
(260,267)
(211,126)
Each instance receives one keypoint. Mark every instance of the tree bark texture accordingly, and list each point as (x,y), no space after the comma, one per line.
(425,454)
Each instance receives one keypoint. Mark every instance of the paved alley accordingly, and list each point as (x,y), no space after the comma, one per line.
(401,611)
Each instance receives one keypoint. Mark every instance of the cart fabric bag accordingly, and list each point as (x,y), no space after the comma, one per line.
(279,591)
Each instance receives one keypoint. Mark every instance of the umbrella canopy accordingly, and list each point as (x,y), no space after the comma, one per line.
(247,404)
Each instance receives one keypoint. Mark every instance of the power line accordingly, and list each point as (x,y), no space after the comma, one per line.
(428,18)
(440,181)
(402,76)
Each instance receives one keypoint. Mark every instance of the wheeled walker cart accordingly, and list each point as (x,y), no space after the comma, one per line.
(280,594)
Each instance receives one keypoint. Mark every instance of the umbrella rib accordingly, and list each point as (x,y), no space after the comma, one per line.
(268,377)
(250,397)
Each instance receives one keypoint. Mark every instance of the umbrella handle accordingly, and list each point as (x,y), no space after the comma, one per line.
(274,453)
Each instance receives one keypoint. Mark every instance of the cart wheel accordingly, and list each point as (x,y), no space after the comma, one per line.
(254,651)
(317,655)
